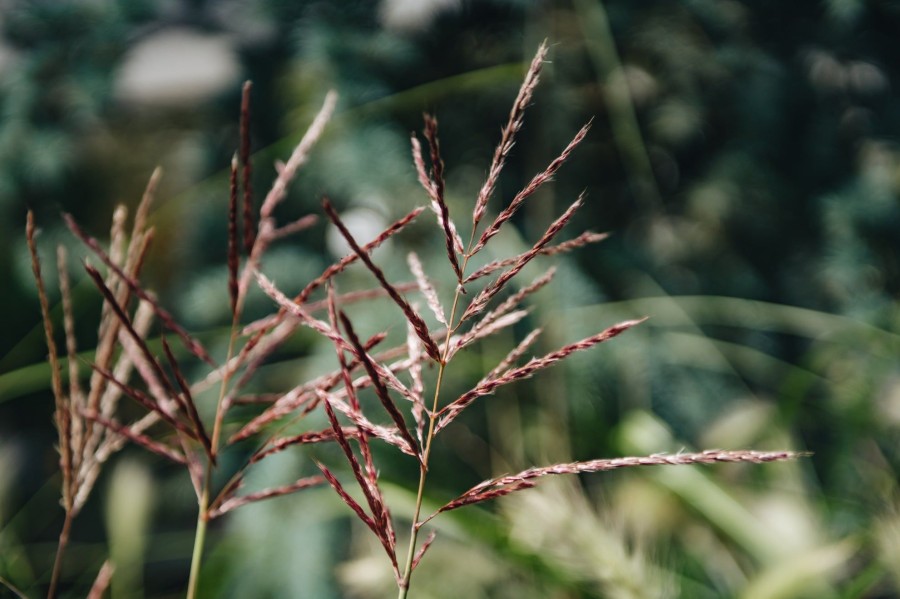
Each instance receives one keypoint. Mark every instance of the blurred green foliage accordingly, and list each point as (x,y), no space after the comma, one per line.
(744,156)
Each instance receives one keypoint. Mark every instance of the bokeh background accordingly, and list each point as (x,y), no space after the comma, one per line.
(744,157)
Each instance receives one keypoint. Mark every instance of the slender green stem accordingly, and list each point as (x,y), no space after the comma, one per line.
(423,474)
(203,503)
(226,377)
(423,466)
(200,534)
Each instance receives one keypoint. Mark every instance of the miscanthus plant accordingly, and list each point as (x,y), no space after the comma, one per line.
(374,395)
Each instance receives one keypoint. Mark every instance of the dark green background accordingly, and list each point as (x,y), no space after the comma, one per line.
(744,157)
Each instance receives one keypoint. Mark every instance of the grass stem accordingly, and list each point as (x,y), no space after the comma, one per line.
(200,535)
(426,452)
(60,550)
(203,507)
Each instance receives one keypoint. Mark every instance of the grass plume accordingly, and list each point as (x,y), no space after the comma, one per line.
(413,410)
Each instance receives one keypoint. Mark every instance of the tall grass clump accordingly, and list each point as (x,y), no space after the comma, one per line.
(373,394)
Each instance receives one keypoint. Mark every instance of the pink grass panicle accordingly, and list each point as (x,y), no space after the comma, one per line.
(372,399)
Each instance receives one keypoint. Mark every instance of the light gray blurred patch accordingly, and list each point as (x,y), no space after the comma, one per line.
(176,67)
(412,15)
(363,223)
